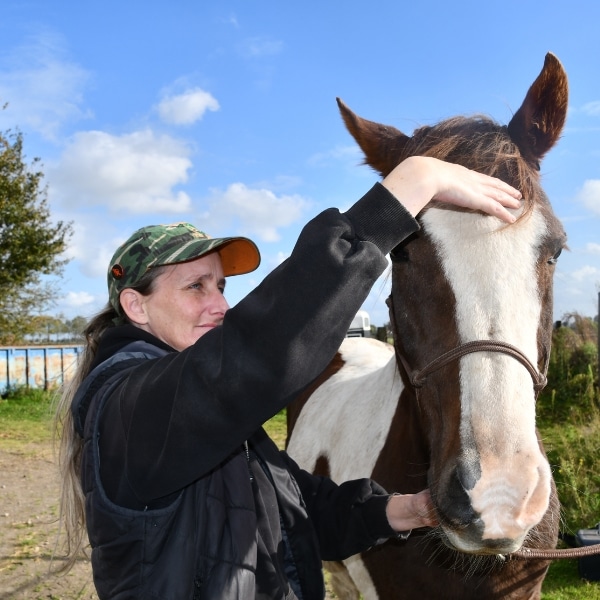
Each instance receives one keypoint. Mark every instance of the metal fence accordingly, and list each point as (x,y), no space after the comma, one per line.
(42,367)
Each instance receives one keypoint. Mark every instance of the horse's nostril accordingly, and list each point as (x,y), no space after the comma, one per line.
(456,506)
(468,470)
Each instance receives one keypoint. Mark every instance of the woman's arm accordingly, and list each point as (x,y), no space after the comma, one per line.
(188,411)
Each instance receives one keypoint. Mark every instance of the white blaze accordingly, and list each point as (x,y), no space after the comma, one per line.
(491,269)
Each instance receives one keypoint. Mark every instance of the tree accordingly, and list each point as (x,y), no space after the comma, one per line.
(75,327)
(59,329)
(30,243)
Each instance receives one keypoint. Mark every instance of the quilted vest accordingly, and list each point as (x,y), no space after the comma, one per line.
(203,545)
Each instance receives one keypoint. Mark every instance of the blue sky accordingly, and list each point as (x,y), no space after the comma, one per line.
(223,114)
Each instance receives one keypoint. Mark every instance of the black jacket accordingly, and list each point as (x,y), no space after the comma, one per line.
(177,505)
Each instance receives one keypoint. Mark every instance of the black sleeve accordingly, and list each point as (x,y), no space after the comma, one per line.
(175,418)
(348,518)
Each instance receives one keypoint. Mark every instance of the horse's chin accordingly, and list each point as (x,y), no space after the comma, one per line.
(462,542)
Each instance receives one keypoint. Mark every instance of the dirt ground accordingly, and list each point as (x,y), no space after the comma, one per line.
(28,530)
(29,491)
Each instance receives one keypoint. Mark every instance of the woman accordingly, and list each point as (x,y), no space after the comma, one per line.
(164,455)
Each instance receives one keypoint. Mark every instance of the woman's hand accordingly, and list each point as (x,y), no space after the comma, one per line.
(411,511)
(419,179)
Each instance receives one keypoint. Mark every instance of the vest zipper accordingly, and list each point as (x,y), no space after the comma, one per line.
(247,450)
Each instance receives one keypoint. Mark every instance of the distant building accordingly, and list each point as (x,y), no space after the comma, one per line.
(360,326)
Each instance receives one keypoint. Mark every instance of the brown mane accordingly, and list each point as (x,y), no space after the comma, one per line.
(478,143)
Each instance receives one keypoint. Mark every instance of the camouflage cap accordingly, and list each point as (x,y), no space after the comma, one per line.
(158,245)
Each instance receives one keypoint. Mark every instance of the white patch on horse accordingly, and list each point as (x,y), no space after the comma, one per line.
(350,414)
(360,577)
(497,396)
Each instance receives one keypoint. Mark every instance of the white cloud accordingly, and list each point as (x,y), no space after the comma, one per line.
(94,252)
(280,257)
(232,20)
(133,173)
(592,248)
(43,89)
(589,195)
(592,108)
(186,108)
(94,240)
(77,300)
(259,212)
(585,274)
(257,47)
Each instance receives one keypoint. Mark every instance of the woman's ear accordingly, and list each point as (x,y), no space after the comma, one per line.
(133,305)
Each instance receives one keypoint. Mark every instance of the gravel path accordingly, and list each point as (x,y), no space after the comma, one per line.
(28,529)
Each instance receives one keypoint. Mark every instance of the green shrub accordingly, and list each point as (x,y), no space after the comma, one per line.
(569,421)
(572,389)
(572,451)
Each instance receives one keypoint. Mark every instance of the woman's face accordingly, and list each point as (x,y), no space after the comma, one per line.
(186,301)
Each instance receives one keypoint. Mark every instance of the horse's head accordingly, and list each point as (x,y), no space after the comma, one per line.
(466,277)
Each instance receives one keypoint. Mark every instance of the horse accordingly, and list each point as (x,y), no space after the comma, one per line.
(451,405)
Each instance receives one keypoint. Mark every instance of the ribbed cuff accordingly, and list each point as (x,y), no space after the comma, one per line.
(377,522)
(378,217)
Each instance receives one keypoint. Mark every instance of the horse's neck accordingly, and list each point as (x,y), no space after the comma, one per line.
(404,458)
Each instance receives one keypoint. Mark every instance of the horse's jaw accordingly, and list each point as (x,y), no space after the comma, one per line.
(498,547)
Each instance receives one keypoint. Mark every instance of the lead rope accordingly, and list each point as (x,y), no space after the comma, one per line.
(417,379)
(557,553)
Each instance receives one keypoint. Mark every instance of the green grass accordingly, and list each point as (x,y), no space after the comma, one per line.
(563,583)
(25,417)
(277,429)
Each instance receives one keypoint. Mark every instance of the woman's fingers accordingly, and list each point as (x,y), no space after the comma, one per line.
(419,179)
(470,189)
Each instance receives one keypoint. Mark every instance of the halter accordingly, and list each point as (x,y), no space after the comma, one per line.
(418,378)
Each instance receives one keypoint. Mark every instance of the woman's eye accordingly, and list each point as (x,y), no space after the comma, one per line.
(554,259)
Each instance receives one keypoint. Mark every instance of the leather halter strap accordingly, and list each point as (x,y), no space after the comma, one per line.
(417,377)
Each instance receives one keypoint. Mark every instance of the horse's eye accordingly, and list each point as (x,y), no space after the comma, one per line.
(554,259)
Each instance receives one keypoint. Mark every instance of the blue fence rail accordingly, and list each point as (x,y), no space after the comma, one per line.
(42,367)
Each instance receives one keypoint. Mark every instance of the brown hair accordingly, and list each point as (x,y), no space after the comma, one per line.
(70,444)
(477,143)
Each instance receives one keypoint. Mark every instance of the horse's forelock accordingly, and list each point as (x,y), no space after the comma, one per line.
(481,144)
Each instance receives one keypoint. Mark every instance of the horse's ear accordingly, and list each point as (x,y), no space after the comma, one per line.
(536,126)
(383,146)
